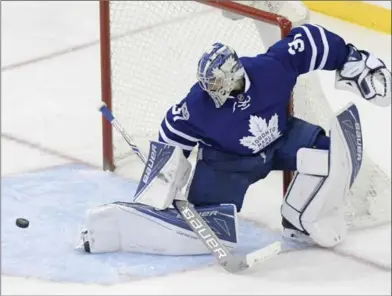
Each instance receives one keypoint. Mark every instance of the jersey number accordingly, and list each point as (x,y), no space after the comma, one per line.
(297,45)
(180,113)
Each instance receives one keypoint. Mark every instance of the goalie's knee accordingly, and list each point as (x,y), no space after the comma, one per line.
(312,162)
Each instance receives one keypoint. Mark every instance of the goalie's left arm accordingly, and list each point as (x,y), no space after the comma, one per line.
(312,47)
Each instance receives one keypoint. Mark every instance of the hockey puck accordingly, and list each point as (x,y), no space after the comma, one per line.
(22,222)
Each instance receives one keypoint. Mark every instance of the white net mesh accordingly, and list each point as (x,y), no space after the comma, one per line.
(154,59)
(154,52)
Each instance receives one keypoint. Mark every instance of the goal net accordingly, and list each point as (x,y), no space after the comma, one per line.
(149,53)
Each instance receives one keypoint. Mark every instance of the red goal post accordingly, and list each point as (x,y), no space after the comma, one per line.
(106,83)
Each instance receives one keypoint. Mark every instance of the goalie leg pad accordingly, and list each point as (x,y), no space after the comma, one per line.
(312,162)
(314,204)
(168,161)
(129,227)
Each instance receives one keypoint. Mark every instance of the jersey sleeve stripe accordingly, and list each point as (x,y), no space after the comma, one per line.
(179,133)
(172,142)
(326,47)
(314,48)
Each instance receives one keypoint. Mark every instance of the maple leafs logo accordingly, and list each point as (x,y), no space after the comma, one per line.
(263,134)
(227,66)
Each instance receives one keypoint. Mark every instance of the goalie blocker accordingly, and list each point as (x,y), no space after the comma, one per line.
(163,160)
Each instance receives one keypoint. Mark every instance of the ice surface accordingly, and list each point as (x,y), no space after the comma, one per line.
(55,201)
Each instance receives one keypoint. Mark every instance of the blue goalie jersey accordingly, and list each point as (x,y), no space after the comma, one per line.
(249,122)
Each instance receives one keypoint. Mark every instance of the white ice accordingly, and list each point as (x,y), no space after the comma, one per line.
(49,118)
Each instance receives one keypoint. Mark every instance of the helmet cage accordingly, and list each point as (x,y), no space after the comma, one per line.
(218,72)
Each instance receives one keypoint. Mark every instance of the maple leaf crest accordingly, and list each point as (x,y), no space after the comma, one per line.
(224,68)
(228,64)
(263,133)
(217,73)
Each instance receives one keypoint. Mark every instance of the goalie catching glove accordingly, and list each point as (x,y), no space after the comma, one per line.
(365,75)
(166,172)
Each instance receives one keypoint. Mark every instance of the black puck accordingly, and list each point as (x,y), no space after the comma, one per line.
(22,222)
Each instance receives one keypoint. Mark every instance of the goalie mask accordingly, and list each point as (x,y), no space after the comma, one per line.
(218,72)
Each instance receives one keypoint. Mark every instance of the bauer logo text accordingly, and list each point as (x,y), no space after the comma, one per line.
(200,228)
(150,163)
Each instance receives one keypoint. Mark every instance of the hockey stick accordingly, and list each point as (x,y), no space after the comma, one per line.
(232,263)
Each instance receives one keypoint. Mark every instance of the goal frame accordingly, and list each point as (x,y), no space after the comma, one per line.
(105,50)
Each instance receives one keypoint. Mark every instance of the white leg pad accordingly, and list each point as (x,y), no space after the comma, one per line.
(298,197)
(313,162)
(315,204)
(121,228)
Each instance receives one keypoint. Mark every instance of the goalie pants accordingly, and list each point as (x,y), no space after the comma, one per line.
(221,177)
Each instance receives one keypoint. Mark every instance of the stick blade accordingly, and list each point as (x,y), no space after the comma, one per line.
(238,263)
(263,254)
